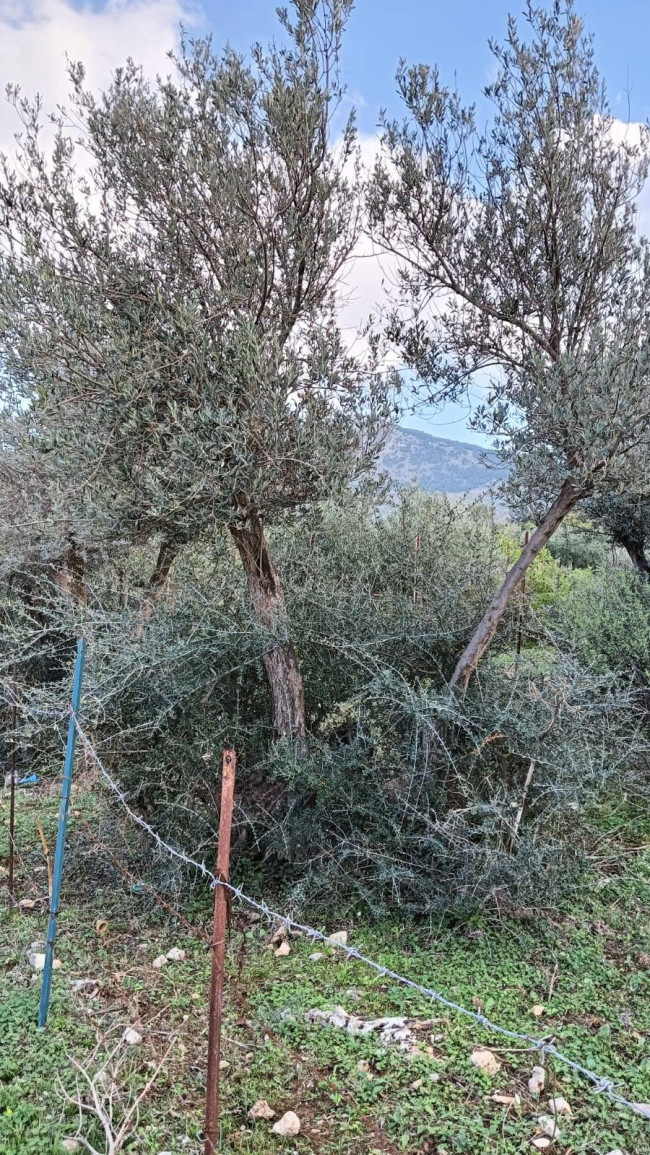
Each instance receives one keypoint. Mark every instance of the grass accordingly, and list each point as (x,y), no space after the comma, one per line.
(352,1094)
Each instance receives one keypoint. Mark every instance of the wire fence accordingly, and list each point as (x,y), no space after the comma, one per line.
(603,1084)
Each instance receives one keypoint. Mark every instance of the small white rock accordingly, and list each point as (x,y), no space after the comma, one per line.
(131,1037)
(537,1081)
(559,1106)
(316,956)
(70,1145)
(289,1124)
(485,1060)
(339,936)
(159,962)
(175,954)
(37,961)
(261,1110)
(548,1126)
(283,950)
(541,1143)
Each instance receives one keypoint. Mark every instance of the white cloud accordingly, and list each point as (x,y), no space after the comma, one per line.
(37,35)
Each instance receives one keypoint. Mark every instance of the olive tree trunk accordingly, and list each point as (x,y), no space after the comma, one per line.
(267,603)
(485,631)
(637,556)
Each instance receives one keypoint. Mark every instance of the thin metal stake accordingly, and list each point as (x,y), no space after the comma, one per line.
(60,836)
(218,953)
(12,795)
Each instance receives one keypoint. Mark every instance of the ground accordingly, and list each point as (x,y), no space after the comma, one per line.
(587,965)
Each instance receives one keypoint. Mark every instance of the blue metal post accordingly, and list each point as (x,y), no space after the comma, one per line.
(60,836)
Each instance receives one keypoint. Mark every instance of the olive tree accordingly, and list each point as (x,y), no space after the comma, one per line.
(168,303)
(520,261)
(625,518)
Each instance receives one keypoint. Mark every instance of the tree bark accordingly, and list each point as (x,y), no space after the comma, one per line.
(637,556)
(164,562)
(279,658)
(471,656)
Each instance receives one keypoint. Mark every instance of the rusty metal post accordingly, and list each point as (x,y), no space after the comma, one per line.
(218,953)
(12,795)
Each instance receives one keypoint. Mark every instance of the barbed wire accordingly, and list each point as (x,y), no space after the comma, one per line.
(546,1047)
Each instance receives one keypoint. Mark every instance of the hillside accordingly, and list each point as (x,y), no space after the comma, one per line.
(439,465)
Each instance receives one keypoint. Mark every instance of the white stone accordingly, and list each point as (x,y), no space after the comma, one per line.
(537,1081)
(485,1060)
(289,1124)
(548,1126)
(316,956)
(131,1037)
(340,937)
(283,950)
(175,954)
(159,962)
(70,1145)
(559,1106)
(261,1110)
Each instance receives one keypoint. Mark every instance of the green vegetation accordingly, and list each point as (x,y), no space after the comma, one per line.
(593,953)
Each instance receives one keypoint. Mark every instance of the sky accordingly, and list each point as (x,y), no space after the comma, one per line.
(36,35)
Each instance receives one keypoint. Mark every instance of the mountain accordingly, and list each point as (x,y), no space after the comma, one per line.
(439,465)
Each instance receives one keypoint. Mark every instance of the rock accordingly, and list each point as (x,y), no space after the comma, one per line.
(485,1060)
(261,1110)
(340,937)
(283,950)
(87,985)
(434,1076)
(159,962)
(559,1106)
(175,954)
(537,1081)
(289,1124)
(506,1100)
(547,1124)
(70,1145)
(617,1151)
(537,1010)
(644,962)
(541,1143)
(29,904)
(224,1065)
(416,1084)
(280,934)
(131,1037)
(36,960)
(316,956)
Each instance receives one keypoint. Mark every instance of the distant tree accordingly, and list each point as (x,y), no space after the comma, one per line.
(520,260)
(168,275)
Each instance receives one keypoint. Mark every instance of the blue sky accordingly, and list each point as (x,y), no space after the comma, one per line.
(453,34)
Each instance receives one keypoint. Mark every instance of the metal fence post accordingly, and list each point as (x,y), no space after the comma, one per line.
(218,953)
(59,853)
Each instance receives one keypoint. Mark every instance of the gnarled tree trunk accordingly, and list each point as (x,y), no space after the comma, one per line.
(267,602)
(471,656)
(636,553)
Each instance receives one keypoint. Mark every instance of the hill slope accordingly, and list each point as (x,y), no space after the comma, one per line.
(438,465)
